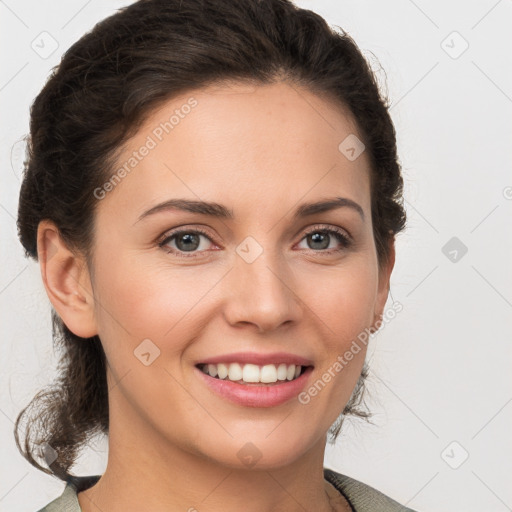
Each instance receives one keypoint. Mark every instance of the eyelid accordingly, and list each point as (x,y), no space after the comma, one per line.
(178,229)
(327,227)
(195,227)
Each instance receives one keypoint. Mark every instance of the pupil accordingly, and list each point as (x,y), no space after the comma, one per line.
(314,237)
(188,236)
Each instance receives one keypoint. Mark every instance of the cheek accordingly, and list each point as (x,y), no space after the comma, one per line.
(343,302)
(137,301)
(343,299)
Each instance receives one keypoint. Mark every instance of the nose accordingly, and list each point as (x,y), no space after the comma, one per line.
(261,293)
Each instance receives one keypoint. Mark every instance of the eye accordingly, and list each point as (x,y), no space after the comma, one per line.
(186,240)
(189,241)
(321,236)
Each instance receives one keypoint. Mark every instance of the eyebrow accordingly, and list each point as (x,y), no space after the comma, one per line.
(217,210)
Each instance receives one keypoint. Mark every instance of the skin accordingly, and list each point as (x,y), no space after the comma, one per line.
(261,151)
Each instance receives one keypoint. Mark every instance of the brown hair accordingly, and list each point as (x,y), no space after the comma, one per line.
(105,86)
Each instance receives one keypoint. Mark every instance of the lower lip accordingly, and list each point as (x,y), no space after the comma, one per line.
(254,395)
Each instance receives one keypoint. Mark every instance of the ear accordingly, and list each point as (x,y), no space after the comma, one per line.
(67,281)
(383,286)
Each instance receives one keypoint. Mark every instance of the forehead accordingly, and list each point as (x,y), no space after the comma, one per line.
(242,145)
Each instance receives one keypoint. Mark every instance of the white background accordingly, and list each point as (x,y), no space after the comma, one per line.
(441,368)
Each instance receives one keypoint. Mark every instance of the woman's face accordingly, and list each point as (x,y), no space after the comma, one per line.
(259,282)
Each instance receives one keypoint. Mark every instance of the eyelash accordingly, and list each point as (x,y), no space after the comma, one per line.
(338,234)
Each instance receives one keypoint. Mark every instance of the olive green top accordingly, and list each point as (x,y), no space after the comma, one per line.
(361,497)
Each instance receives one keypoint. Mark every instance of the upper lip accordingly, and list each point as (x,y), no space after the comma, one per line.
(258,359)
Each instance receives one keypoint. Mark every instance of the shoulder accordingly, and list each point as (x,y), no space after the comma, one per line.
(68,500)
(361,496)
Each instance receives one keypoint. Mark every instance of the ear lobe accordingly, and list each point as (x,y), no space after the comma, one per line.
(66,280)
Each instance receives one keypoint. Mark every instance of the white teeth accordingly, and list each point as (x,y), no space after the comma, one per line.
(268,374)
(235,371)
(282,372)
(252,373)
(222,370)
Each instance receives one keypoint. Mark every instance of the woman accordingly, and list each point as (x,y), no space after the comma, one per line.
(212,193)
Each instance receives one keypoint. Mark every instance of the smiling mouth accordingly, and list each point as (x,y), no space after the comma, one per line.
(253,375)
